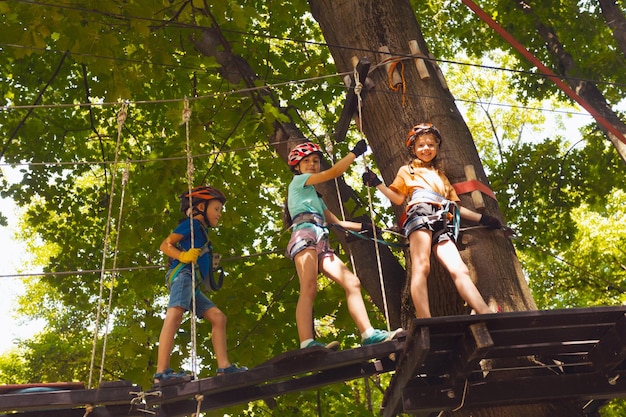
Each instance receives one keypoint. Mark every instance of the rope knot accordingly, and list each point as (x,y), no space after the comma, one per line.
(186,112)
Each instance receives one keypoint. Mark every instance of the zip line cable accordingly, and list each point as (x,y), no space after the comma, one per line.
(160,23)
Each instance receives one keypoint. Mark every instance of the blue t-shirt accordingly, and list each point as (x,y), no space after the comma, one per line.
(304,199)
(200,237)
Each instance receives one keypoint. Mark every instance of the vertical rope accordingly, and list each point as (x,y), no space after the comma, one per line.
(190,171)
(357,90)
(121,118)
(125,177)
(330,152)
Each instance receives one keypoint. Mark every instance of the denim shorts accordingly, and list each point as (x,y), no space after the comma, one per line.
(181,295)
(305,238)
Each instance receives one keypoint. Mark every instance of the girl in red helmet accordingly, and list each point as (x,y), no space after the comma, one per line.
(427,190)
(205,209)
(309,249)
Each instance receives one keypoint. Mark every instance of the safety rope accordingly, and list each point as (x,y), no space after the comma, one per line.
(121,118)
(140,399)
(199,398)
(125,177)
(357,90)
(88,409)
(330,152)
(190,171)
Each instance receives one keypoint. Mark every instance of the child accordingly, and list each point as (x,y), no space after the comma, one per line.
(309,248)
(206,210)
(427,190)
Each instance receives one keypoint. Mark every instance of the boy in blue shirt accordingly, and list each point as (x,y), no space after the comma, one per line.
(205,212)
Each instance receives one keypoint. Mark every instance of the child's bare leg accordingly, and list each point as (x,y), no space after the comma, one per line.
(419,247)
(336,270)
(171,324)
(449,256)
(218,335)
(306,266)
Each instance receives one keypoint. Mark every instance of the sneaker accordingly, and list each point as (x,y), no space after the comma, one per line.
(232,369)
(334,345)
(168,374)
(378,337)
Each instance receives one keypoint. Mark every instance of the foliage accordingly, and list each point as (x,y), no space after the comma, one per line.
(142,57)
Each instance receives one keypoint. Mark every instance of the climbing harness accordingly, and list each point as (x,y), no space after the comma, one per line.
(307,217)
(448,213)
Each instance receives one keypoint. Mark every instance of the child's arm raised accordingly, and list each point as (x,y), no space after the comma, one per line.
(371,180)
(339,167)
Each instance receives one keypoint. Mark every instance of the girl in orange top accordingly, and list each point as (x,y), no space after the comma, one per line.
(426,188)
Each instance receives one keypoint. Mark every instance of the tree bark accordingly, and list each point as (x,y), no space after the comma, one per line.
(616,20)
(359,28)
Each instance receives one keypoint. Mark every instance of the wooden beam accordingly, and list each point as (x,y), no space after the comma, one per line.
(512,391)
(477,197)
(108,411)
(610,351)
(413,356)
(362,68)
(118,392)
(251,393)
(472,347)
(285,365)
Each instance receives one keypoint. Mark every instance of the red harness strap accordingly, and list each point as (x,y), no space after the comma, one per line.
(473,185)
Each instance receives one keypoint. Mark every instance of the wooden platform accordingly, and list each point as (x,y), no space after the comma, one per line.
(458,362)
(442,363)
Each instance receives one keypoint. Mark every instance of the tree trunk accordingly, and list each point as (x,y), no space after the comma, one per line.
(616,20)
(359,28)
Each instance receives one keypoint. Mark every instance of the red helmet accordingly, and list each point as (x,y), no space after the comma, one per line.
(418,130)
(198,195)
(302,151)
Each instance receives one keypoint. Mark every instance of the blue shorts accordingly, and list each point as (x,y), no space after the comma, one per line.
(305,238)
(418,218)
(181,295)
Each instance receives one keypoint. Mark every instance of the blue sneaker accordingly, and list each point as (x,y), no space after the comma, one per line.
(379,336)
(167,374)
(232,369)
(334,345)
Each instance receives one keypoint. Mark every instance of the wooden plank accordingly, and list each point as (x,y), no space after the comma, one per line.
(350,107)
(610,351)
(45,386)
(471,349)
(513,391)
(268,372)
(118,394)
(413,356)
(216,401)
(107,411)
